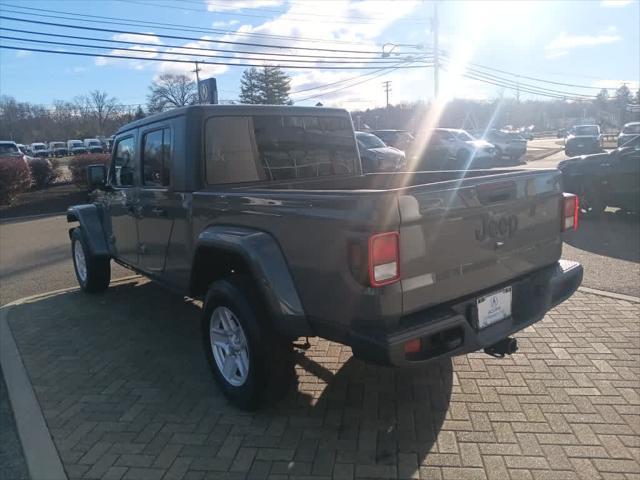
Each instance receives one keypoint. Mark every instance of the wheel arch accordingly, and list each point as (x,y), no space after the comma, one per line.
(90,220)
(223,250)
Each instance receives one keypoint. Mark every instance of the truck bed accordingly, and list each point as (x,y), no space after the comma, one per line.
(460,233)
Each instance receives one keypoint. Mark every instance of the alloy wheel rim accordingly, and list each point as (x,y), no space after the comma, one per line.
(229,346)
(80,261)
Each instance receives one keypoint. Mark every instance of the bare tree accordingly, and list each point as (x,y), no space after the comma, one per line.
(99,106)
(170,91)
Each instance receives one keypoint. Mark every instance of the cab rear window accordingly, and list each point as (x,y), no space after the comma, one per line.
(276,147)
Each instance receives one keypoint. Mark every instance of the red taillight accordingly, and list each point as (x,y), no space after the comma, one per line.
(570,211)
(413,346)
(384,258)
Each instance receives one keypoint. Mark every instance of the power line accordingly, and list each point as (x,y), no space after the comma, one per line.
(270,17)
(174,60)
(517,84)
(199,49)
(165,26)
(385,72)
(199,55)
(178,37)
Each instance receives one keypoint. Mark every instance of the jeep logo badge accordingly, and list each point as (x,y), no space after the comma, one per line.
(492,228)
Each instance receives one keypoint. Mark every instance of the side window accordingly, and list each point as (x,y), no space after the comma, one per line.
(156,158)
(124,164)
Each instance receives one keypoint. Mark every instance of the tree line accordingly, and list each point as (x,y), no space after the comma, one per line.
(100,114)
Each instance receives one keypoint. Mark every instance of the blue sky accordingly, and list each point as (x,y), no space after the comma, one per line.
(588,43)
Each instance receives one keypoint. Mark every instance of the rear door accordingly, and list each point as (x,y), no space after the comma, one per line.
(157,204)
(481,232)
(123,202)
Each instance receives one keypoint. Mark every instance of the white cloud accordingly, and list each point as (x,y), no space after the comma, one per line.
(231,5)
(23,53)
(563,43)
(222,23)
(615,3)
(101,61)
(149,37)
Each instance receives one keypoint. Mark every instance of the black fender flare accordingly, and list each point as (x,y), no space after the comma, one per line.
(269,269)
(90,220)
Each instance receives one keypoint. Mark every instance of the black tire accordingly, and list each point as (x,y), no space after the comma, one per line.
(591,202)
(270,356)
(97,269)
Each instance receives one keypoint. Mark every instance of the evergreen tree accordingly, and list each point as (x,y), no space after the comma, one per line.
(623,95)
(274,86)
(268,86)
(250,90)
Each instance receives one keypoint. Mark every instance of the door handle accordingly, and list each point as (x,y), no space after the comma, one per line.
(159,212)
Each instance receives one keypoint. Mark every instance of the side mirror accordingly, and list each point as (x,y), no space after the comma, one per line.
(96,176)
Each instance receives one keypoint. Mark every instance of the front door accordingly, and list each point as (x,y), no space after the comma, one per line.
(624,182)
(123,201)
(158,206)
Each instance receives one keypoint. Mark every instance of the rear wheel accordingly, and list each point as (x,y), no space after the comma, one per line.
(93,273)
(591,202)
(251,363)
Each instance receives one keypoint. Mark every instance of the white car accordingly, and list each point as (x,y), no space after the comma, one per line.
(464,151)
(40,150)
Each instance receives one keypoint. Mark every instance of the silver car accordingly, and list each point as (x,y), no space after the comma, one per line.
(378,157)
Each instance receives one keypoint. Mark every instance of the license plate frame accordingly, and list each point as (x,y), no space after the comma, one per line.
(494,307)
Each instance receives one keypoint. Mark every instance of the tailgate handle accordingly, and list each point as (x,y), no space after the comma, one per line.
(496,192)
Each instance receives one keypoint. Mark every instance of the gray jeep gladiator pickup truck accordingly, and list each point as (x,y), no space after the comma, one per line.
(264,213)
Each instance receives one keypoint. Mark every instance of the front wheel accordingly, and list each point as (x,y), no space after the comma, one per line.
(251,363)
(93,273)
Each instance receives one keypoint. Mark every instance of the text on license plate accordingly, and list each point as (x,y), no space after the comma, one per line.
(494,307)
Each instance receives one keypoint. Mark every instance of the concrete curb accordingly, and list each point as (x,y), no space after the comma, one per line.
(40,453)
(604,293)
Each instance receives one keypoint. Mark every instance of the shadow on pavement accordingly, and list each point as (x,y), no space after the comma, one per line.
(127,368)
(613,234)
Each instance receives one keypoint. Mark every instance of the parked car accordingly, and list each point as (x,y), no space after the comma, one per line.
(93,145)
(507,144)
(400,139)
(9,148)
(455,149)
(526,132)
(76,147)
(58,149)
(607,179)
(283,236)
(23,148)
(40,150)
(583,140)
(562,133)
(628,132)
(378,157)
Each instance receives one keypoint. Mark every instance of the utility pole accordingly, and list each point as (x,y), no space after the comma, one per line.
(518,88)
(387,89)
(197,72)
(436,52)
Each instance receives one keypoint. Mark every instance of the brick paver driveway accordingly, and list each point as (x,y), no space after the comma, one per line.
(126,393)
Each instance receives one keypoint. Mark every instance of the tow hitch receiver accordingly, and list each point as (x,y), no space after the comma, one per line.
(506,346)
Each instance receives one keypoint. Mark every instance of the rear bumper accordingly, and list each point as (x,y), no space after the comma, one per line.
(449,329)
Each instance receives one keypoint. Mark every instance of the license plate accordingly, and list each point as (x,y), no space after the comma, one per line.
(494,307)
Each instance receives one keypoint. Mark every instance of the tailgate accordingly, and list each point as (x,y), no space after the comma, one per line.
(460,240)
